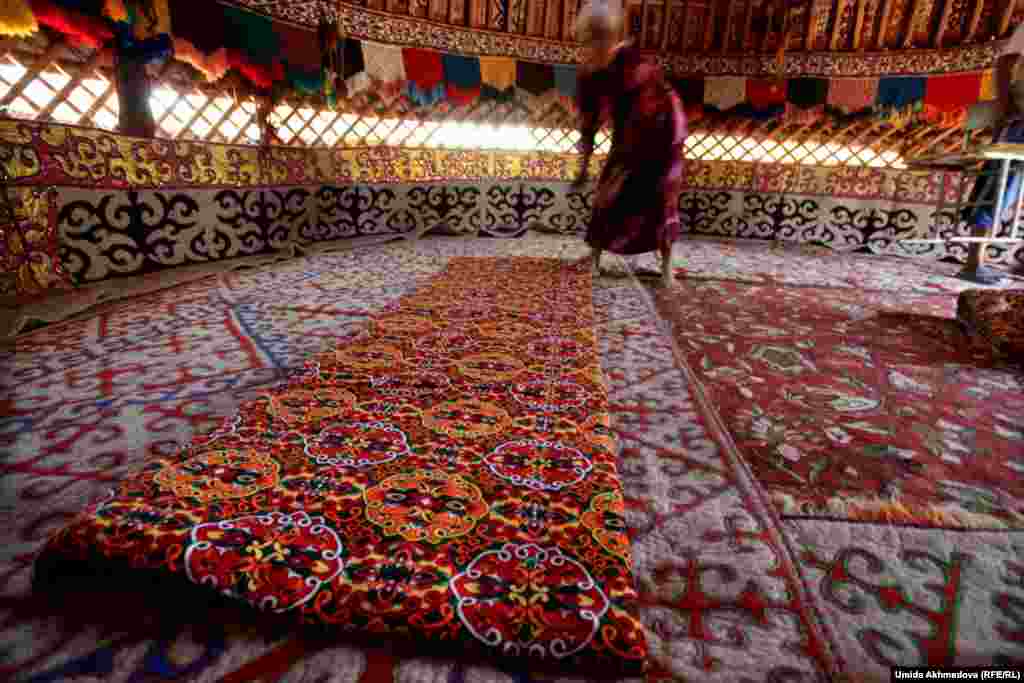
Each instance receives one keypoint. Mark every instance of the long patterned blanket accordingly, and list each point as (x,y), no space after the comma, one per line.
(447,474)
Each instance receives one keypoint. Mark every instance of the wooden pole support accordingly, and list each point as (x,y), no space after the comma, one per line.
(133,91)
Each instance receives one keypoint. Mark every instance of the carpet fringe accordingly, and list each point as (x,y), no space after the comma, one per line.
(890,511)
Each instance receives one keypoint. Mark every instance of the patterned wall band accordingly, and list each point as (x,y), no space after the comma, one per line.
(128,206)
(34,153)
(107,233)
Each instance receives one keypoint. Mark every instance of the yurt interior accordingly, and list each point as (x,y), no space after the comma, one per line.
(322,357)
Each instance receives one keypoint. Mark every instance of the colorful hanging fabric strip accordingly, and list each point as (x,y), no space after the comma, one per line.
(260,75)
(384,63)
(299,48)
(947,98)
(145,33)
(488,92)
(358,84)
(725,92)
(691,92)
(425,72)
(200,44)
(565,80)
(423,68)
(765,100)
(115,10)
(988,86)
(568,104)
(253,47)
(498,78)
(351,58)
(252,34)
(462,78)
(766,93)
(424,97)
(805,99)
(212,66)
(852,95)
(353,67)
(385,68)
(900,98)
(87,30)
(306,82)
(534,78)
(16,19)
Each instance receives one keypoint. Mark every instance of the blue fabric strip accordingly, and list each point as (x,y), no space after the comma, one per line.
(460,71)
(425,98)
(900,92)
(565,79)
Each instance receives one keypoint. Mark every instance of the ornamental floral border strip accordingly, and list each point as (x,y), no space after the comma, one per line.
(377,26)
(43,153)
(39,153)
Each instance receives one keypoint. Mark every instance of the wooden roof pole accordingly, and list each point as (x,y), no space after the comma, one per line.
(133,92)
(709,36)
(858,26)
(837,25)
(908,38)
(643,23)
(947,11)
(883,26)
(975,23)
(748,24)
(1005,17)
(727,33)
(666,25)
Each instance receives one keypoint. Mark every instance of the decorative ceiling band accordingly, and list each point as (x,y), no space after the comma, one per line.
(382,27)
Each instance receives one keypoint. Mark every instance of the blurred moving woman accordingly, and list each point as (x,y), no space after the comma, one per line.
(636,206)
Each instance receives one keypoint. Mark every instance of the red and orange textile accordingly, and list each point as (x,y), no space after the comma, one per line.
(87,30)
(448,474)
(765,93)
(948,97)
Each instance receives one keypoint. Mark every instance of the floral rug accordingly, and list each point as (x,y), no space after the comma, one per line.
(858,405)
(423,478)
(796,264)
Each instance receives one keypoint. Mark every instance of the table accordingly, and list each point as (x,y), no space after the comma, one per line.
(965,164)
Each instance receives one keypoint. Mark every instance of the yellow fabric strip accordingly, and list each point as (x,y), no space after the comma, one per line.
(988,86)
(498,72)
(17,19)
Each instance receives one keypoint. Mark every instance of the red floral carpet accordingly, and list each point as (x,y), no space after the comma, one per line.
(448,475)
(861,405)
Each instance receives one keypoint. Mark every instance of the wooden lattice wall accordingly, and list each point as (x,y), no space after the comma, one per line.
(43,80)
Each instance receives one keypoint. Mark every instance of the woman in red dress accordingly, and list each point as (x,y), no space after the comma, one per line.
(636,206)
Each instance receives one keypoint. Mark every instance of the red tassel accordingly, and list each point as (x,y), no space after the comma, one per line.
(461,96)
(260,76)
(89,31)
